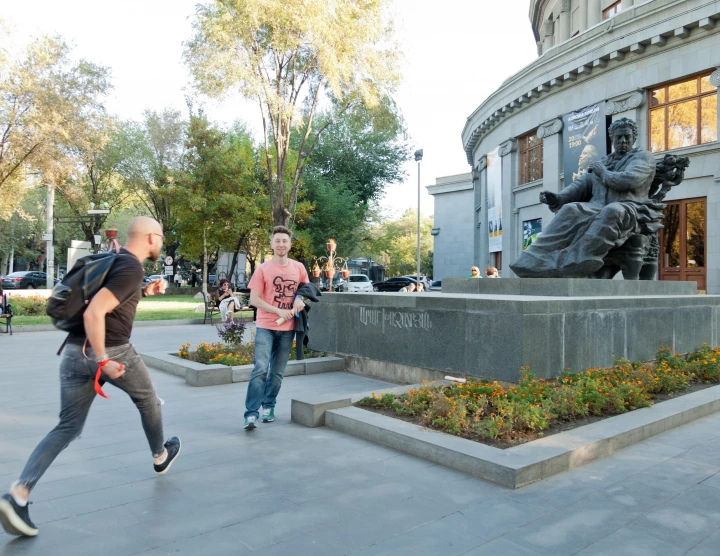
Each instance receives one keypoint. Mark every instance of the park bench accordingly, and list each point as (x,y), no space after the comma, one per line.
(6,313)
(212,309)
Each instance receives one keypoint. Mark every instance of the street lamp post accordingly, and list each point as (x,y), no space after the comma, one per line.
(418,159)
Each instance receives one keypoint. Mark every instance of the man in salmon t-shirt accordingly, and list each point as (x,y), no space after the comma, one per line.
(272,291)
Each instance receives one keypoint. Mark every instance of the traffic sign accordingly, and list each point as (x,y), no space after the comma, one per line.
(47,237)
(168,270)
(168,260)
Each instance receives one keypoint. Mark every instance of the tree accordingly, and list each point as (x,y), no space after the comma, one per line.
(289,57)
(49,106)
(156,155)
(356,159)
(216,193)
(99,181)
(395,243)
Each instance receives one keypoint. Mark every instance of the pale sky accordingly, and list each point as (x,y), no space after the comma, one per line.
(456,52)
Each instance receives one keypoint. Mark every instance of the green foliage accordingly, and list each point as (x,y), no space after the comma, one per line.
(395,243)
(285,56)
(28,306)
(357,157)
(532,405)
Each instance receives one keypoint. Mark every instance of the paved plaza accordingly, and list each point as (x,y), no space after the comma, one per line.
(284,489)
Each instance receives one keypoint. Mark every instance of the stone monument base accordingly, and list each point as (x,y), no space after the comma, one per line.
(494,336)
(567,287)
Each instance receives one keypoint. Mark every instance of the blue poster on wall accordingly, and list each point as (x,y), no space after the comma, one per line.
(531,229)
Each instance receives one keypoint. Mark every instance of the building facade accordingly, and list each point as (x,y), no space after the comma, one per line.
(655,62)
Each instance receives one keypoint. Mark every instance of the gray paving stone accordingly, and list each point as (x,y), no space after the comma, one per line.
(496,517)
(686,520)
(707,547)
(574,528)
(447,536)
(630,543)
(500,546)
(297,491)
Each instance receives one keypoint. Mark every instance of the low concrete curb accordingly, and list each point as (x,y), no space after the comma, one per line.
(520,465)
(136,324)
(310,410)
(198,374)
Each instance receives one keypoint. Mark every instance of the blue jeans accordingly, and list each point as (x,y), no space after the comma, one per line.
(77,393)
(272,349)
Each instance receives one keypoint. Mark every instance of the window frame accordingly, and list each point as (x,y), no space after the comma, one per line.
(668,103)
(524,150)
(612,10)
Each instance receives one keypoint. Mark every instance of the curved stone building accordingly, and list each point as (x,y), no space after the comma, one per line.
(653,61)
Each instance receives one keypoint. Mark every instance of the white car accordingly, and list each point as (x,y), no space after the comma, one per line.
(358,283)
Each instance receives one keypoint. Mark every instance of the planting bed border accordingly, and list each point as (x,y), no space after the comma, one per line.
(513,467)
(199,374)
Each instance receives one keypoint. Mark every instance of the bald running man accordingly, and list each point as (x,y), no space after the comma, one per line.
(108,322)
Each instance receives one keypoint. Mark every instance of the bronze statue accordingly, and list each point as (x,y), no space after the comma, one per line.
(608,218)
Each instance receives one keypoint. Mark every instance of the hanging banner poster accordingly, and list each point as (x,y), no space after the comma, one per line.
(531,229)
(494,193)
(584,140)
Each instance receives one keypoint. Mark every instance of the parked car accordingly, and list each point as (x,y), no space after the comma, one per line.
(338,284)
(359,283)
(435,286)
(156,277)
(424,279)
(25,280)
(393,284)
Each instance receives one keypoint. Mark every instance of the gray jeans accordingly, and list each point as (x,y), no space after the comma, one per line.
(77,392)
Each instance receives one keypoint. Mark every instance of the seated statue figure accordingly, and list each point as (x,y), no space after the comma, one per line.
(596,216)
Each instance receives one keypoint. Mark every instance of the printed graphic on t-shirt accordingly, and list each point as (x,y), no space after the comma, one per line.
(284,292)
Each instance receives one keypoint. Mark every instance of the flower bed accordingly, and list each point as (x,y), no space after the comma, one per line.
(28,306)
(502,416)
(228,354)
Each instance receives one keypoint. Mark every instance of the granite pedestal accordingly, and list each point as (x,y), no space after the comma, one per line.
(494,336)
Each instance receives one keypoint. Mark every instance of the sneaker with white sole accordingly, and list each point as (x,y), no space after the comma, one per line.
(15,518)
(268,414)
(173,447)
(250,422)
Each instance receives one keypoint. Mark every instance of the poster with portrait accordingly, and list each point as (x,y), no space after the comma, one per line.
(494,193)
(531,229)
(585,140)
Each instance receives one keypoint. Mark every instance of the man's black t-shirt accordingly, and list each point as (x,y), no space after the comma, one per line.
(125,281)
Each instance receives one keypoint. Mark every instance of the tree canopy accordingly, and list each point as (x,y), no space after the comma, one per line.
(289,56)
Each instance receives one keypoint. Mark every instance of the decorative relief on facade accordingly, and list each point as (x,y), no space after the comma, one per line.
(566,5)
(624,103)
(508,146)
(550,128)
(715,78)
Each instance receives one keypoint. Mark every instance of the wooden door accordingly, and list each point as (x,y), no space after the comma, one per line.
(683,242)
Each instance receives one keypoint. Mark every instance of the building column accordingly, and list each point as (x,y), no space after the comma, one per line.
(548,32)
(480,233)
(508,153)
(565,23)
(594,13)
(626,4)
(582,16)
(551,137)
(712,259)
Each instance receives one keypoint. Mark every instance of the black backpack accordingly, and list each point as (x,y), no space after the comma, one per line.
(70,298)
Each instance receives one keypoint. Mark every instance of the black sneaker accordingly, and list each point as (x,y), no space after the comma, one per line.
(173,451)
(15,519)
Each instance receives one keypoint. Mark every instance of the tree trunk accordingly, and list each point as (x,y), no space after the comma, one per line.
(235,258)
(205,265)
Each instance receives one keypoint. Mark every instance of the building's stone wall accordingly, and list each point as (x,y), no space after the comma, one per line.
(619,60)
(453,226)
